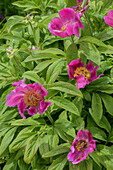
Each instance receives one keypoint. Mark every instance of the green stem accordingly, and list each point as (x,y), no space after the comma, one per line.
(31,27)
(72,38)
(89,24)
(49,117)
(16,61)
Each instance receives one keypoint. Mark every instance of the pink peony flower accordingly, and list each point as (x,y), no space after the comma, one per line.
(28,98)
(83,75)
(78,8)
(109,18)
(33,48)
(81,146)
(68,23)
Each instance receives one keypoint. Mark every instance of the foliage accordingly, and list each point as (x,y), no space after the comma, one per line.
(37,142)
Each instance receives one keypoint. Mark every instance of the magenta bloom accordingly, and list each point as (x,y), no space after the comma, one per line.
(33,48)
(78,8)
(68,23)
(109,18)
(28,98)
(81,146)
(83,75)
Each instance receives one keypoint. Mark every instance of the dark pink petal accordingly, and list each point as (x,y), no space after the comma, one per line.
(81,82)
(14,99)
(21,108)
(19,83)
(69,30)
(77,19)
(110,14)
(43,106)
(38,48)
(33,48)
(108,21)
(90,66)
(55,24)
(76,31)
(72,67)
(79,158)
(66,15)
(40,89)
(32,111)
(71,156)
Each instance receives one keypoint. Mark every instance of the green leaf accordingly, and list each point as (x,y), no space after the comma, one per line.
(42,65)
(53,138)
(108,102)
(11,164)
(25,4)
(105,35)
(95,157)
(39,56)
(67,88)
(106,89)
(25,122)
(7,139)
(59,163)
(43,144)
(97,110)
(21,141)
(31,149)
(66,104)
(90,51)
(54,70)
(17,25)
(86,164)
(52,51)
(98,133)
(91,40)
(11,21)
(22,165)
(106,157)
(31,75)
(70,3)
(37,35)
(104,123)
(63,148)
(71,53)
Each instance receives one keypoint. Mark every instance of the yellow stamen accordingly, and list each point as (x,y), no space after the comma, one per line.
(82,71)
(63,28)
(81,145)
(32,98)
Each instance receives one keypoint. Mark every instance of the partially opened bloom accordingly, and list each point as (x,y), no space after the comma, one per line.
(68,23)
(28,98)
(83,75)
(81,146)
(78,8)
(33,48)
(109,18)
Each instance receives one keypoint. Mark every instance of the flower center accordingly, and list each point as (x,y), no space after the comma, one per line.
(82,71)
(78,7)
(81,145)
(31,98)
(63,28)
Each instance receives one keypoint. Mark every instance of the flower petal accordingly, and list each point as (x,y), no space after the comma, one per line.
(14,99)
(108,21)
(21,108)
(66,15)
(43,106)
(32,111)
(19,83)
